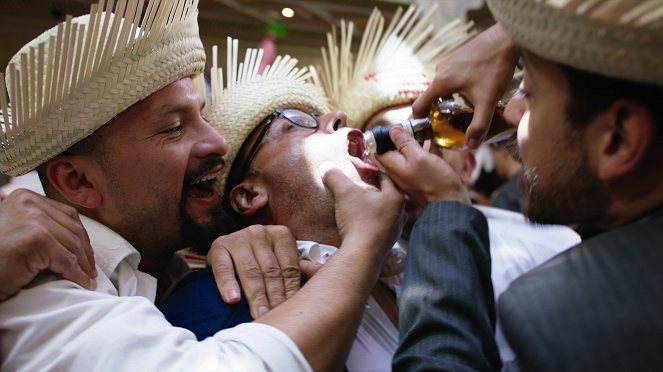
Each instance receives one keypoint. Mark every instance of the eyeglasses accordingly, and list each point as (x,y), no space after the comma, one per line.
(297,117)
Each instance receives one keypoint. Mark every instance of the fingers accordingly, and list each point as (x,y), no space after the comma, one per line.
(309,268)
(476,132)
(266,261)
(335,179)
(224,273)
(288,260)
(79,242)
(248,270)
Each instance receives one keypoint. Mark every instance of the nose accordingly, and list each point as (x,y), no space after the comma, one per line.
(333,121)
(514,111)
(209,142)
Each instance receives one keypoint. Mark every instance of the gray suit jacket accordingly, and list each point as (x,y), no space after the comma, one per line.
(596,307)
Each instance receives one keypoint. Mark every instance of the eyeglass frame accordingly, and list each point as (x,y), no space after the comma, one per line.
(270,119)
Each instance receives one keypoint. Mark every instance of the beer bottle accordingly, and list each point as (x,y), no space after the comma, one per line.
(446,126)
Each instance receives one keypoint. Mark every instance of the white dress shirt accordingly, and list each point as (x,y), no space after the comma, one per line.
(516,247)
(55,325)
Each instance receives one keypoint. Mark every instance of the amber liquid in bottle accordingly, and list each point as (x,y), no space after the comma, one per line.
(446,126)
(450,121)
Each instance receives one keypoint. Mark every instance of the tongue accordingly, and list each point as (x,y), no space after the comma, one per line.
(196,190)
(193,191)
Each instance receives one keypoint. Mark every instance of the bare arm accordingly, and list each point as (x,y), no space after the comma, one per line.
(322,318)
(480,71)
(41,234)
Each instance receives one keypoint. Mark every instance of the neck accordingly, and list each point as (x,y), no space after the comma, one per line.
(635,197)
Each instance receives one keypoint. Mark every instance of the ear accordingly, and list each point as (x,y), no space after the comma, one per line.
(248,197)
(71,177)
(625,140)
(467,164)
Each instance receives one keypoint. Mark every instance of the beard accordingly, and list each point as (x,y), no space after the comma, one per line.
(568,192)
(199,236)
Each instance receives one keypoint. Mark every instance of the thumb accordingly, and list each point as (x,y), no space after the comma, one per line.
(403,140)
(334,178)
(309,268)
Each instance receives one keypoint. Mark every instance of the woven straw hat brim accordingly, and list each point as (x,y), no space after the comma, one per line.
(63,86)
(238,110)
(620,39)
(394,65)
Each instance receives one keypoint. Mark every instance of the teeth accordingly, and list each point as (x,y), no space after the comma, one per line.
(209,177)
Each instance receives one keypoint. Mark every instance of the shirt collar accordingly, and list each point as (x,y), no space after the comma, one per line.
(315,252)
(109,247)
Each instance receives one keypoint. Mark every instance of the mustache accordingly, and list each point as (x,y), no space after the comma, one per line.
(205,166)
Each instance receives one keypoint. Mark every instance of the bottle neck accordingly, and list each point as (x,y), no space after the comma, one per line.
(420,129)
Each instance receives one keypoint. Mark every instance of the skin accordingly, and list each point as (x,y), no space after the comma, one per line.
(462,162)
(41,234)
(288,182)
(480,71)
(604,174)
(286,188)
(141,202)
(180,146)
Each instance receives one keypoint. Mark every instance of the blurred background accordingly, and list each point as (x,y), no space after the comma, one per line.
(299,27)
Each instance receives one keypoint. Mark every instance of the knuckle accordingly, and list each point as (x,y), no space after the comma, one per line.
(272,273)
(253,272)
(291,272)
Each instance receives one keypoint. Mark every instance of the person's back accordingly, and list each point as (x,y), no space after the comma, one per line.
(602,306)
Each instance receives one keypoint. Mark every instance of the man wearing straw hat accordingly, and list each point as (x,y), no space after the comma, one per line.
(117,133)
(590,139)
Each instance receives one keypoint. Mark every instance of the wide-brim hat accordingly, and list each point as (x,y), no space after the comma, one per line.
(392,67)
(615,38)
(250,97)
(75,77)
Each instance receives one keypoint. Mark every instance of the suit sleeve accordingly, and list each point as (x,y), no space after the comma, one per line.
(447,309)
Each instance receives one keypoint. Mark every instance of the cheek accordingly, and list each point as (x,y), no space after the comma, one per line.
(523,129)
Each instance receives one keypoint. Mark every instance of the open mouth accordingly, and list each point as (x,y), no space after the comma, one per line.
(356,146)
(203,187)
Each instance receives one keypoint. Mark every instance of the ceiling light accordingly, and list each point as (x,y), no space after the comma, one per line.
(287,12)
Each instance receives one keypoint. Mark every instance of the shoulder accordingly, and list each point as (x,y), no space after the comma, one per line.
(602,297)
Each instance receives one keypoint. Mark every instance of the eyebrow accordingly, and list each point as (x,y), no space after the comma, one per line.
(169,109)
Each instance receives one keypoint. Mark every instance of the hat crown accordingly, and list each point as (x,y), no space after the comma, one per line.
(393,66)
(249,97)
(78,75)
(616,38)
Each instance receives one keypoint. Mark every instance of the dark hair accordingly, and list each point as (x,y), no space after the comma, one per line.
(590,94)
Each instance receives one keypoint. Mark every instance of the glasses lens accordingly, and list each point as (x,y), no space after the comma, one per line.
(300,118)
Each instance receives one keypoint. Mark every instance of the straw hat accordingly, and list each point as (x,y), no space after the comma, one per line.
(249,97)
(616,38)
(392,67)
(75,77)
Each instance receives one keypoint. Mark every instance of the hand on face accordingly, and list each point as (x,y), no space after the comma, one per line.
(480,71)
(41,234)
(365,217)
(267,263)
(424,176)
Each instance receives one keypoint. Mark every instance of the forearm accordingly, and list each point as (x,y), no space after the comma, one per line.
(322,318)
(447,317)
